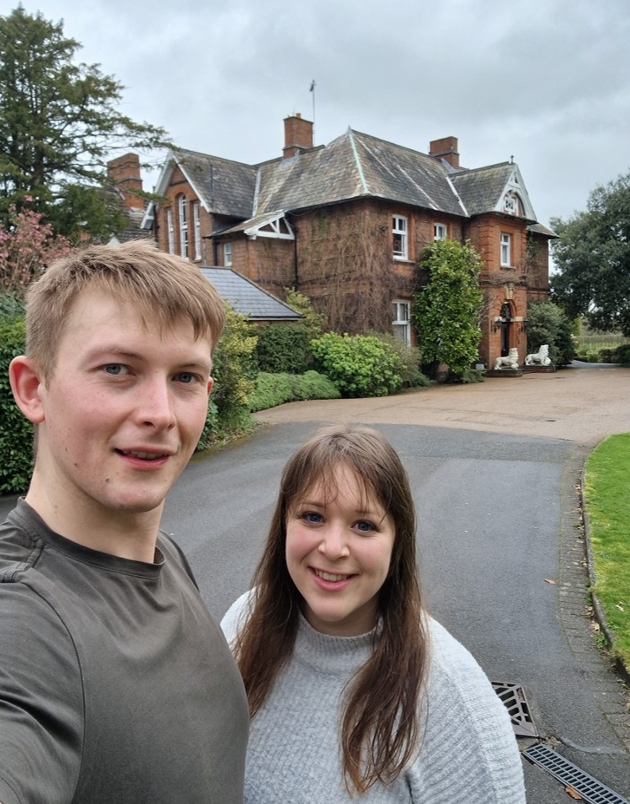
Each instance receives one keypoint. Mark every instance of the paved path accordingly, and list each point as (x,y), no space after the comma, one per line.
(582,405)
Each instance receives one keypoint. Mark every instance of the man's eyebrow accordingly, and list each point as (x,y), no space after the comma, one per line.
(121,353)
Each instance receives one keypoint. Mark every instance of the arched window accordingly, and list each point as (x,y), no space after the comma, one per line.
(182,209)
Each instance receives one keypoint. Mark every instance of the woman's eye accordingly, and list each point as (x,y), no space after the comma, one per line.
(313,517)
(364,526)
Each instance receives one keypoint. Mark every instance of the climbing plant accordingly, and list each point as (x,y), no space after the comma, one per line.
(446,310)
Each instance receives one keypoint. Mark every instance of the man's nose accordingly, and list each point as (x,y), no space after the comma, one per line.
(155,406)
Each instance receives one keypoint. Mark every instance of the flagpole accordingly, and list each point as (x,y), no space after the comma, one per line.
(312,89)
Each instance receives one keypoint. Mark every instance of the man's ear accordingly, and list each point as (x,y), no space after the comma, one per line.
(210,384)
(26,385)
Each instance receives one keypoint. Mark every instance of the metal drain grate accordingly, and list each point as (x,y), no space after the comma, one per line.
(592,791)
(513,697)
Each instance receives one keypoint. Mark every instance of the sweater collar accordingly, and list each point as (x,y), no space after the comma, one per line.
(331,654)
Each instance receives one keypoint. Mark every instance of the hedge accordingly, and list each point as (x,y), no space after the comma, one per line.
(276,389)
(16,432)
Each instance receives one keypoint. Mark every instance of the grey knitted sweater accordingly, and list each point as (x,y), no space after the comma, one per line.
(468,752)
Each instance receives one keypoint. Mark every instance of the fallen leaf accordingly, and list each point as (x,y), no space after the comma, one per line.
(548,580)
(619,606)
(573,793)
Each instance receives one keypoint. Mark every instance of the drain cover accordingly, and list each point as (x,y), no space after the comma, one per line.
(513,697)
(592,791)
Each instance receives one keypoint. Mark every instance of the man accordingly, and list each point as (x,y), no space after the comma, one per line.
(116,684)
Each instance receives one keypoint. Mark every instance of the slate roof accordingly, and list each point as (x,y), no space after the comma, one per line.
(538,228)
(225,187)
(353,166)
(247,298)
(482,189)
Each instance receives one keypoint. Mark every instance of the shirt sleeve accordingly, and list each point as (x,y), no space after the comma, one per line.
(468,751)
(41,701)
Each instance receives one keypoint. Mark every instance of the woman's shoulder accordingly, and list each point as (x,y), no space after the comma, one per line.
(236,616)
(457,680)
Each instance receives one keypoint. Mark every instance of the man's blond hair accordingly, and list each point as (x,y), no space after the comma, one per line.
(163,288)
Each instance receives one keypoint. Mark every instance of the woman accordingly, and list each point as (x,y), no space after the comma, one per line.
(354,691)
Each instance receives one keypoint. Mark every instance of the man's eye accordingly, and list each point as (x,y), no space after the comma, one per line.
(115,369)
(187,377)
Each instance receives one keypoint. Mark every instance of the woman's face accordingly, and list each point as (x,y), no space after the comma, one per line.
(338,553)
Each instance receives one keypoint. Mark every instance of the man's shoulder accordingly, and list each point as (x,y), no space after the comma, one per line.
(18,542)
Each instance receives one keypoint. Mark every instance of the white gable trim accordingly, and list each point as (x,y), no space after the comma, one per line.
(275,226)
(515,187)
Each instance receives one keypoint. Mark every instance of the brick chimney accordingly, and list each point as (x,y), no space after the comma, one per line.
(446,149)
(124,174)
(298,135)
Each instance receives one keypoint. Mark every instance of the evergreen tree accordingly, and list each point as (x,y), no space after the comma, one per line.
(59,124)
(447,308)
(592,258)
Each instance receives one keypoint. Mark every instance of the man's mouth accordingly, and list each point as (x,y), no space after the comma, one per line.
(143,456)
(330,576)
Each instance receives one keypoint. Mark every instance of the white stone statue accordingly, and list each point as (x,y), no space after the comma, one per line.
(539,358)
(510,362)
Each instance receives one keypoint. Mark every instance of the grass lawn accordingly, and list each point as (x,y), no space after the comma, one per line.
(607,503)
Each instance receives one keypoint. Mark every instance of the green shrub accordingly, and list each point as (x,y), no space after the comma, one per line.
(622,354)
(283,348)
(359,365)
(11,307)
(233,370)
(16,432)
(276,389)
(313,385)
(410,373)
(546,323)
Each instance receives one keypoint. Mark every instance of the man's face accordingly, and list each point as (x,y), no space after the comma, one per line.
(123,409)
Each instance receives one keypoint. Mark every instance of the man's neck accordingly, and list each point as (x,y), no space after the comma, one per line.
(131,535)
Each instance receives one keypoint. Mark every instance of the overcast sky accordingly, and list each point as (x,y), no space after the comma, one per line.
(545,81)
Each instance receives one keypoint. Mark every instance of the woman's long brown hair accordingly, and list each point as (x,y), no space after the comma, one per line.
(380,727)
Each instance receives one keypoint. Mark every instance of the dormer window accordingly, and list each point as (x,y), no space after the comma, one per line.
(510,204)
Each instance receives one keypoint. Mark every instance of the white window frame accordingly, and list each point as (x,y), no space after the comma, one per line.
(227,255)
(506,250)
(399,232)
(170,231)
(440,231)
(182,209)
(401,325)
(197,229)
